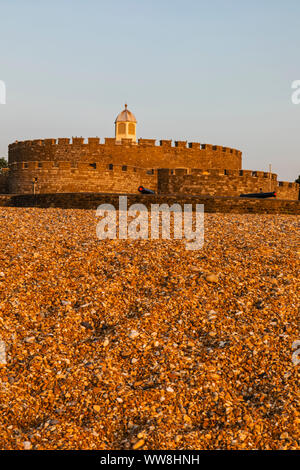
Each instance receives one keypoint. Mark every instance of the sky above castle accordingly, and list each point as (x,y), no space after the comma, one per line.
(208,71)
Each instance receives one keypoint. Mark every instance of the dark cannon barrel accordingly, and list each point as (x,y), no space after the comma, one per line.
(260,195)
(143,190)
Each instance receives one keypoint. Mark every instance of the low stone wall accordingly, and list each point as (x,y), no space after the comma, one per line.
(62,177)
(211,204)
(223,182)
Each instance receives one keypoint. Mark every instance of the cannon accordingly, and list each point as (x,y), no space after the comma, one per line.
(143,190)
(260,195)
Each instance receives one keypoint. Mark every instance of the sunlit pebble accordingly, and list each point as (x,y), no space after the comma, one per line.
(133,334)
(296,358)
(138,444)
(29,339)
(211,278)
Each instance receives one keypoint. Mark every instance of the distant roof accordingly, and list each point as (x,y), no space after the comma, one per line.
(125,116)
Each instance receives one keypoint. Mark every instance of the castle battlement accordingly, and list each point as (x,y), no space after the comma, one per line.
(81,141)
(221,172)
(215,182)
(68,165)
(79,176)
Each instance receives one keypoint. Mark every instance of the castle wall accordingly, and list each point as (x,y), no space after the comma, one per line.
(4,183)
(223,182)
(144,154)
(79,166)
(63,177)
(286,190)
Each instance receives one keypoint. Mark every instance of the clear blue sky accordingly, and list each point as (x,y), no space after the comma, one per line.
(212,71)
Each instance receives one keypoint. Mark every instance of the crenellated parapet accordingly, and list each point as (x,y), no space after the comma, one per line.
(112,141)
(84,166)
(217,171)
(217,182)
(73,177)
(147,153)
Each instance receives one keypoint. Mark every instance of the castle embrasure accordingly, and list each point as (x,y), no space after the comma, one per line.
(122,164)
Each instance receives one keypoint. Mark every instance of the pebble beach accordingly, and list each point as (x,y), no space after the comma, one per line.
(142,344)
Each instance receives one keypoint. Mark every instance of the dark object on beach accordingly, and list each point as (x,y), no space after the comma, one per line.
(143,190)
(260,195)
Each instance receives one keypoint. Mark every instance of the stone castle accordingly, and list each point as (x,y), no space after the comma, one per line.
(121,164)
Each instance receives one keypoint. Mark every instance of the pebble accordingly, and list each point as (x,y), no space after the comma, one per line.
(296,358)
(211,278)
(138,444)
(133,334)
(29,339)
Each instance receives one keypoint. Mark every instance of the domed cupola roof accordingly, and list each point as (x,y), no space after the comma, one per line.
(125,116)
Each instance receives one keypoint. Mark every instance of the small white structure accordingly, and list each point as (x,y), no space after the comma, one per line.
(125,126)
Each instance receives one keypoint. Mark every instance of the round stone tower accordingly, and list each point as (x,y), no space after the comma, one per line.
(125,126)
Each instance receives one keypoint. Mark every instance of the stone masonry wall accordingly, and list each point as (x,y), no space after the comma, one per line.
(225,183)
(61,177)
(4,187)
(144,154)
(211,204)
